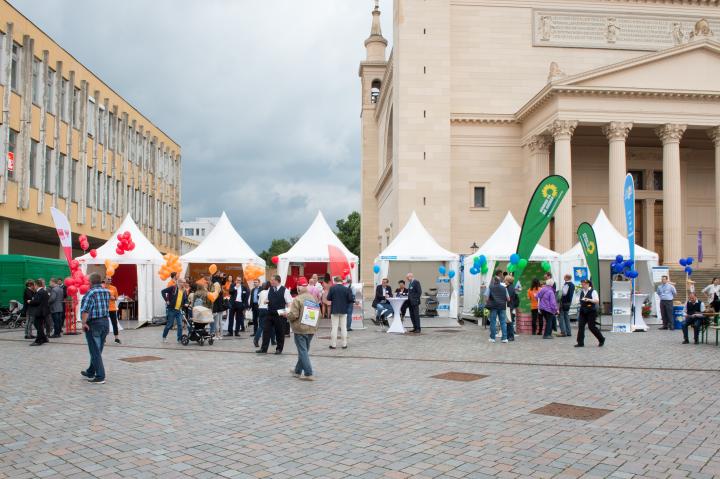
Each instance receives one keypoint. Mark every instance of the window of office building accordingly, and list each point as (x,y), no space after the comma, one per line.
(32,164)
(11,155)
(479,197)
(89,177)
(15,67)
(97,194)
(91,116)
(64,104)
(77,107)
(61,186)
(101,125)
(48,170)
(50,96)
(36,78)
(74,181)
(111,131)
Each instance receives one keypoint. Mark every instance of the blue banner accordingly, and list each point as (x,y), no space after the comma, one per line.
(629,196)
(580,273)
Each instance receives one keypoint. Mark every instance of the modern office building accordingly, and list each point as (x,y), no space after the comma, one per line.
(68,140)
(480,99)
(192,232)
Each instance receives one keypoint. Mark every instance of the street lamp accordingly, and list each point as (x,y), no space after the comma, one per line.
(474,247)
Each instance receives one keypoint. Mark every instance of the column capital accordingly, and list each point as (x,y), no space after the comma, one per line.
(670,132)
(617,130)
(714,134)
(539,143)
(563,129)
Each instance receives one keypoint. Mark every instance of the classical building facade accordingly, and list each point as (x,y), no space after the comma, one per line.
(481,99)
(68,140)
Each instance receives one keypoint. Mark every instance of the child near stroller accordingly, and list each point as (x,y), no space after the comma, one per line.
(201,317)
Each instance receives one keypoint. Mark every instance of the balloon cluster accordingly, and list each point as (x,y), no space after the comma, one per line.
(253,272)
(125,243)
(518,264)
(172,265)
(84,244)
(687,263)
(77,282)
(479,265)
(623,266)
(110,267)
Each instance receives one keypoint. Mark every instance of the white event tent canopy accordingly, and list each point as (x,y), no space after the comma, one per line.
(223,245)
(312,247)
(610,243)
(498,248)
(415,250)
(138,269)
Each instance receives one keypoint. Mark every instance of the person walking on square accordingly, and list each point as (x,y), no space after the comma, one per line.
(262,315)
(40,310)
(666,291)
(496,301)
(414,295)
(303,332)
(112,307)
(537,322)
(566,296)
(28,294)
(547,305)
(338,298)
(512,305)
(694,316)
(238,299)
(219,306)
(255,305)
(348,283)
(94,312)
(278,300)
(174,297)
(587,315)
(57,307)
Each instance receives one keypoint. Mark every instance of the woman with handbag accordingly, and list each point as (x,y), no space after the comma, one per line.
(548,307)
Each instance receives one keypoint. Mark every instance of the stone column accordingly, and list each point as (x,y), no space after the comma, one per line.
(616,133)
(4,236)
(539,148)
(714,133)
(562,131)
(670,135)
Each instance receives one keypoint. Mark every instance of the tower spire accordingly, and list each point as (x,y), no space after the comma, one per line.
(376,43)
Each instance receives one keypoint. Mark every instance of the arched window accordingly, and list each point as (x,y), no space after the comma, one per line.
(375,91)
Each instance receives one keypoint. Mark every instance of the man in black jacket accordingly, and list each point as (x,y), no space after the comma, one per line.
(414,294)
(238,300)
(27,297)
(40,310)
(254,304)
(175,299)
(380,303)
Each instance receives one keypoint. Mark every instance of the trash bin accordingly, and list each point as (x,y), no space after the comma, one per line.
(678,316)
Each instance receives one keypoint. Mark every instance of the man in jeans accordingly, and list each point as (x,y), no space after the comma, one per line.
(303,333)
(94,314)
(339,298)
(174,299)
(667,294)
(497,299)
(566,296)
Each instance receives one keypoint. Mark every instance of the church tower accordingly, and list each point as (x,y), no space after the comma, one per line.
(372,74)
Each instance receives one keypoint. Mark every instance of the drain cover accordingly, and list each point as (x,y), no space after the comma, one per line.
(140,359)
(455,376)
(447,330)
(569,411)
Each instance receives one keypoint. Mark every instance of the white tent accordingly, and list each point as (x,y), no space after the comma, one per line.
(312,247)
(223,245)
(147,260)
(610,243)
(498,248)
(415,245)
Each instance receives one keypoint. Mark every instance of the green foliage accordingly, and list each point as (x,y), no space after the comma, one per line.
(349,232)
(277,247)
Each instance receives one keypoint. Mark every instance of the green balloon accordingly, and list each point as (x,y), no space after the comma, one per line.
(511,268)
(546,266)
(522,264)
(484,269)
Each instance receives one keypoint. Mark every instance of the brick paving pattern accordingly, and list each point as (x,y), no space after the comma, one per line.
(375,410)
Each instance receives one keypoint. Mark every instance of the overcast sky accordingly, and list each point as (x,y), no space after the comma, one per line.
(262,96)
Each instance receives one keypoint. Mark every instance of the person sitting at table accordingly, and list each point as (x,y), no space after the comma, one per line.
(399,292)
(694,316)
(380,303)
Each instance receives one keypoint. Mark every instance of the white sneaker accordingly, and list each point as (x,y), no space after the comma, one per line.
(504,340)
(218,338)
(491,340)
(164,340)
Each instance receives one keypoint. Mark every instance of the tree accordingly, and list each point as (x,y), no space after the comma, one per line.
(349,232)
(277,247)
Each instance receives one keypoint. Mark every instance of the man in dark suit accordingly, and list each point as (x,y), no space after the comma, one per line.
(254,304)
(414,294)
(380,303)
(238,300)
(40,310)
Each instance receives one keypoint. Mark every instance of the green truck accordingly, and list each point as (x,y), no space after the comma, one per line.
(15,269)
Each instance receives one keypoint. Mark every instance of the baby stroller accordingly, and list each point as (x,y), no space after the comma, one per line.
(196,328)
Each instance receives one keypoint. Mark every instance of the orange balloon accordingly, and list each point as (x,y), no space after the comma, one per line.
(110,272)
(107,263)
(212,269)
(212,297)
(171,283)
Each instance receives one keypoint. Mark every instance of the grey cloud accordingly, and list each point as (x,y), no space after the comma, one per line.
(263,96)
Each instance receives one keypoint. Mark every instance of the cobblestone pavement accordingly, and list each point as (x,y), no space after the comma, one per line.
(374,411)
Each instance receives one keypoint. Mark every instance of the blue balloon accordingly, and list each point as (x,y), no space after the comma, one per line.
(451,274)
(442,270)
(476,261)
(632,274)
(514,258)
(483,260)
(683,262)
(619,258)
(688,270)
(689,261)
(474,271)
(376,269)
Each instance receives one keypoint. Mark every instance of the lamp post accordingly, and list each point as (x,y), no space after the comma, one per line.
(474,247)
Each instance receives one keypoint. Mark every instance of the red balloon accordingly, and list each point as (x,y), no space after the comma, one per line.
(346,272)
(93,253)
(131,246)
(120,237)
(119,250)
(275,259)
(82,238)
(74,264)
(126,235)
(72,290)
(84,289)
(69,282)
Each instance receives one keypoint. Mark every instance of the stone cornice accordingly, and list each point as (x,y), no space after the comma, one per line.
(532,3)
(488,119)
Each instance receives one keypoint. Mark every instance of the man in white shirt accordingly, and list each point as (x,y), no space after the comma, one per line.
(587,314)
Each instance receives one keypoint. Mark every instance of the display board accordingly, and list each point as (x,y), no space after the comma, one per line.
(443,296)
(622,299)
